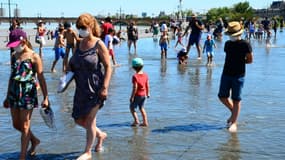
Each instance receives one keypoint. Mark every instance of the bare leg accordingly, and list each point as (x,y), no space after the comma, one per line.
(89,123)
(144,116)
(129,45)
(101,137)
(40,51)
(53,65)
(229,104)
(199,51)
(135,45)
(17,125)
(135,116)
(25,121)
(236,109)
(65,59)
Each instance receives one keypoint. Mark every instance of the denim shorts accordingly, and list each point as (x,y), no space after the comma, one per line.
(138,101)
(231,84)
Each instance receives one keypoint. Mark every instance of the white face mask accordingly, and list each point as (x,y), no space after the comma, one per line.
(83,33)
(19,48)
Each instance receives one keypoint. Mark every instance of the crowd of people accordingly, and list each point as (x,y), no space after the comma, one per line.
(93,56)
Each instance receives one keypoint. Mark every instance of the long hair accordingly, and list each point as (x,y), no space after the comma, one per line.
(87,19)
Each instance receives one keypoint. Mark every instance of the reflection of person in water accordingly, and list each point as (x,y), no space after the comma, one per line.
(138,144)
(231,149)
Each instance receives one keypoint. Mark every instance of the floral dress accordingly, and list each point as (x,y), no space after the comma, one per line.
(22,92)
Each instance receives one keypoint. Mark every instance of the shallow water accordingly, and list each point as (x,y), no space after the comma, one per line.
(187,121)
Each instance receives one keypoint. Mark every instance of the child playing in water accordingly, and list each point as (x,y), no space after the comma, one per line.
(209,48)
(139,93)
(163,42)
(179,37)
(109,44)
(182,56)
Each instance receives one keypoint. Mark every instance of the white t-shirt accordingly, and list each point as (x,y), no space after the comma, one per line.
(108,41)
(163,27)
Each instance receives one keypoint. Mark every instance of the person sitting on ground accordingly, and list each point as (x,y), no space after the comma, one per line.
(182,56)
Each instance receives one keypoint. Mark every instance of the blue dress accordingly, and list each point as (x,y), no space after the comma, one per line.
(89,78)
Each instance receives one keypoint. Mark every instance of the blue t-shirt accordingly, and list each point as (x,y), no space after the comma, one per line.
(209,45)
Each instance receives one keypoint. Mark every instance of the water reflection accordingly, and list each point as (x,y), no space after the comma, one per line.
(163,66)
(231,149)
(139,145)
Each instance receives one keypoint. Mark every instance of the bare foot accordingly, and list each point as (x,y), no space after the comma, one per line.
(143,124)
(134,124)
(85,156)
(35,143)
(233,128)
(99,145)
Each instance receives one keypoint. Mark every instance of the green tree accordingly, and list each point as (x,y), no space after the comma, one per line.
(237,12)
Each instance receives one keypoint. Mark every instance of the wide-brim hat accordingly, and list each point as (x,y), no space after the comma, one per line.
(234,29)
(15,37)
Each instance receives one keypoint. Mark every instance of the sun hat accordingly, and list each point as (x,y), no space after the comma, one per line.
(137,62)
(194,15)
(15,37)
(234,29)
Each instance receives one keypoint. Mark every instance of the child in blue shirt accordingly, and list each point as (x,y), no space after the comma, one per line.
(209,46)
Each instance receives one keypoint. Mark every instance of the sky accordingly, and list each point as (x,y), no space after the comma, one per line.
(73,8)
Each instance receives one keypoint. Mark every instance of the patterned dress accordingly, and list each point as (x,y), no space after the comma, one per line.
(89,77)
(22,92)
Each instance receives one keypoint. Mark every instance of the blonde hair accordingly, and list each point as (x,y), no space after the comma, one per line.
(87,19)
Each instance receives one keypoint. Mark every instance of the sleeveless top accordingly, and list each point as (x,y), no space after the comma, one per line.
(22,92)
(89,77)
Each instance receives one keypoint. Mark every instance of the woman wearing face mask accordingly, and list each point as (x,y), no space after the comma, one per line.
(22,93)
(91,82)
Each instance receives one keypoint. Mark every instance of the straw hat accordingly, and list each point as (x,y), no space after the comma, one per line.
(234,29)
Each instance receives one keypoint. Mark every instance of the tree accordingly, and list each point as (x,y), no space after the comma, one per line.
(237,12)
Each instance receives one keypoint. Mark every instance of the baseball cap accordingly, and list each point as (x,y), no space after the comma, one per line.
(15,37)
(136,62)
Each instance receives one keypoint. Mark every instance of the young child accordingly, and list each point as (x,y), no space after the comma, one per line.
(164,42)
(59,49)
(179,35)
(109,44)
(182,56)
(209,46)
(139,93)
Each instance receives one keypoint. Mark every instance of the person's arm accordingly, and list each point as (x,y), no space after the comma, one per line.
(186,30)
(76,37)
(104,56)
(201,27)
(249,58)
(147,89)
(134,90)
(40,75)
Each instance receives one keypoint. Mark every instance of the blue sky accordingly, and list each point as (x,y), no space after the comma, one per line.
(73,8)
